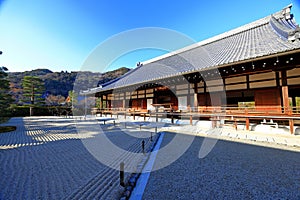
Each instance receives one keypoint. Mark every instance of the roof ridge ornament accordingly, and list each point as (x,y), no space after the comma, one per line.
(139,64)
(284,24)
(286,12)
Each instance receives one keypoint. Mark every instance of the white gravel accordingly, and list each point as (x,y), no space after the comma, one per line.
(46,159)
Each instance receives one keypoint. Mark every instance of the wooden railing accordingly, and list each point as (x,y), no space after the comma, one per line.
(215,113)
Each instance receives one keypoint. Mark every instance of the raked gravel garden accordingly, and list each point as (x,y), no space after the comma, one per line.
(47,158)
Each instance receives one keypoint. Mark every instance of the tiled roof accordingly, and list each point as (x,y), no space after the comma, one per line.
(273,34)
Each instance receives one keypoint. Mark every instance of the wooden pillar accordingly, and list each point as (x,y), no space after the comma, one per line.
(247,123)
(285,92)
(291,124)
(247,120)
(189,95)
(123,104)
(248,82)
(106,101)
(101,105)
(205,94)
(196,95)
(235,124)
(124,100)
(285,99)
(284,78)
(277,79)
(156,116)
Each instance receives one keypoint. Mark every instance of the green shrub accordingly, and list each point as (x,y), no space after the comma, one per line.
(4,129)
(19,111)
(23,111)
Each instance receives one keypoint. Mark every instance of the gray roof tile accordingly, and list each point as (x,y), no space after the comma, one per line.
(270,35)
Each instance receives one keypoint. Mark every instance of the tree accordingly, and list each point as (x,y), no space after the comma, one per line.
(55,100)
(72,102)
(33,89)
(72,98)
(5,96)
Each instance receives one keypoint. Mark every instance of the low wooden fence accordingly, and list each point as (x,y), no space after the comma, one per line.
(215,114)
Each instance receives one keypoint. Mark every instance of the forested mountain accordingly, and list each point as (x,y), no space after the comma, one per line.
(59,83)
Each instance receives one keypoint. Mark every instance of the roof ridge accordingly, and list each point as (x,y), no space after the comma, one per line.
(124,75)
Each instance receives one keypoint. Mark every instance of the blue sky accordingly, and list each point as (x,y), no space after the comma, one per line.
(60,34)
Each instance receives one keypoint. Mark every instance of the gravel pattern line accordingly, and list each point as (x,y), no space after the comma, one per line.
(46,159)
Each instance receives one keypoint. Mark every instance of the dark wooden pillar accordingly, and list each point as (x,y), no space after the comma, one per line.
(248,82)
(285,93)
(277,79)
(205,94)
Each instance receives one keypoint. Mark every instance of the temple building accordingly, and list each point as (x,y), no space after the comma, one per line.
(253,70)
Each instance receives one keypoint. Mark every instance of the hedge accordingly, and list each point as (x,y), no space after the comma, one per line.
(23,111)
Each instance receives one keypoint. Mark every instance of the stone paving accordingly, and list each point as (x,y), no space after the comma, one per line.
(280,140)
(230,171)
(265,136)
